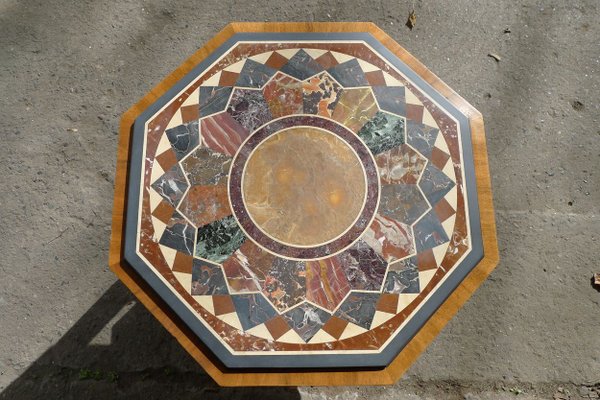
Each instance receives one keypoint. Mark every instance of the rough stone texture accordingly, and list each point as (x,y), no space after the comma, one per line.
(68,70)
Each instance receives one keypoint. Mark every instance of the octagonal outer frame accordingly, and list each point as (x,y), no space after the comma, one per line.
(290,377)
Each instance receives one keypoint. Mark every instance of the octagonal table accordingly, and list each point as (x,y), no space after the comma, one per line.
(302,204)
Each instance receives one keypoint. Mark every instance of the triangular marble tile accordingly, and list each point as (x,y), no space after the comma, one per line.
(213,80)
(404,299)
(163,144)
(425,277)
(365,66)
(449,225)
(439,252)
(156,173)
(449,169)
(340,57)
(391,81)
(168,254)
(352,330)
(262,57)
(380,317)
(260,331)
(237,67)
(440,143)
(206,302)
(159,228)
(288,53)
(322,337)
(451,197)
(185,280)
(290,336)
(315,53)
(192,99)
(411,98)
(429,120)
(154,197)
(176,120)
(231,319)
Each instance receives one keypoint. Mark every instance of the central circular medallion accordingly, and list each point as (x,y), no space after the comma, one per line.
(304,186)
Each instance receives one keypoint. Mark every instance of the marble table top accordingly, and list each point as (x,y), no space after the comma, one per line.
(300,195)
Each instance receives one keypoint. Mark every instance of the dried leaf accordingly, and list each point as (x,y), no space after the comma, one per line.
(412,20)
(597,279)
(495,56)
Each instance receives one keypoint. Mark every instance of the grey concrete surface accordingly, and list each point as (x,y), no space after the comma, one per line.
(68,70)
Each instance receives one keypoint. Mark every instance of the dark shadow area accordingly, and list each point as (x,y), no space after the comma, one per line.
(594,284)
(117,350)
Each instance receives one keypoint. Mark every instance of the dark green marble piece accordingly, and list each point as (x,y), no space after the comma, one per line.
(218,240)
(383,132)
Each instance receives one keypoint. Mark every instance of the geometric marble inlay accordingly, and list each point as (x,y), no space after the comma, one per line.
(302,200)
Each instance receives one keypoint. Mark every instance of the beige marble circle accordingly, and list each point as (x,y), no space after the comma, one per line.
(304,186)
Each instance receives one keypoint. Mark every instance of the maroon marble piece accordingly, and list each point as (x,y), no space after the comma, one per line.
(222,133)
(326,282)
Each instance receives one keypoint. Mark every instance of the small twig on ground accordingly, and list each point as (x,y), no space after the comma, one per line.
(58,237)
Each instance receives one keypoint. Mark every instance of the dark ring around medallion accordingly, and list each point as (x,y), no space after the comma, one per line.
(286,250)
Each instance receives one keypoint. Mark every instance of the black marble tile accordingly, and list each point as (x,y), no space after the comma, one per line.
(207,279)
(252,309)
(306,320)
(184,138)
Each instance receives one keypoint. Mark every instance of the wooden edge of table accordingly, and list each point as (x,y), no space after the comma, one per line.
(183,334)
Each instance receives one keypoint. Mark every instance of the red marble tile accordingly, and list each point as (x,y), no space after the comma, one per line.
(326,283)
(414,112)
(284,95)
(327,60)
(205,204)
(375,78)
(443,210)
(439,158)
(388,302)
(276,61)
(183,263)
(167,159)
(190,113)
(277,327)
(163,211)
(248,267)
(222,133)
(400,165)
(228,78)
(426,260)
(335,327)
(391,239)
(223,304)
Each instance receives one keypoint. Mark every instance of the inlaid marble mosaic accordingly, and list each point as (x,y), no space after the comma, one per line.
(301,197)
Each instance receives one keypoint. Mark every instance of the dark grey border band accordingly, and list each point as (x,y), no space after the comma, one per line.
(300,360)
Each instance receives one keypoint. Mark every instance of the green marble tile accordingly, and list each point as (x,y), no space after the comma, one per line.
(383,132)
(218,240)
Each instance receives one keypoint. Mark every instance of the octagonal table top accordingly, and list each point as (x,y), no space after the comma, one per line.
(302,200)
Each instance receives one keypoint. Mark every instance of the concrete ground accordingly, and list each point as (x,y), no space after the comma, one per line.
(68,70)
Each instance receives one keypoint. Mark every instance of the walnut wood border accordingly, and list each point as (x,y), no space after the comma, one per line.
(432,327)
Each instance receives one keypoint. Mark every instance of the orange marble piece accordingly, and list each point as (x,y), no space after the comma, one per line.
(304,186)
